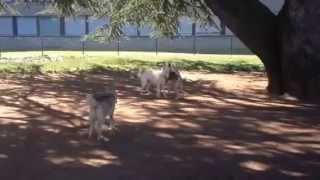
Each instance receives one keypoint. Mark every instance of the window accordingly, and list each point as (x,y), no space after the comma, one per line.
(145,31)
(27,26)
(49,26)
(75,26)
(130,30)
(185,26)
(95,23)
(207,29)
(6,24)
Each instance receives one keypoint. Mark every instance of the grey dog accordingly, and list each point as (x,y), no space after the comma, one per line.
(101,110)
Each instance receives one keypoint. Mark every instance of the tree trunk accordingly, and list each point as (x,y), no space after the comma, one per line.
(257,27)
(300,48)
(288,44)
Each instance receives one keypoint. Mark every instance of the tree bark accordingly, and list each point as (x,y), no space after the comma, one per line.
(257,27)
(287,44)
(300,48)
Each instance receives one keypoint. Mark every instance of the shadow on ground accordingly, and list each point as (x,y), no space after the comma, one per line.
(211,134)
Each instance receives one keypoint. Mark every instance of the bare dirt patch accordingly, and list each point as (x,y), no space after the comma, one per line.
(225,128)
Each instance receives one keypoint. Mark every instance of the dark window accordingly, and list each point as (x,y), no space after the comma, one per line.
(49,26)
(75,26)
(6,24)
(130,30)
(95,23)
(185,26)
(145,31)
(27,26)
(206,29)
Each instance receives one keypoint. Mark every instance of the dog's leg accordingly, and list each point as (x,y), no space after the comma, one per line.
(92,114)
(158,89)
(179,89)
(111,122)
(99,123)
(144,85)
(145,88)
(163,89)
(148,87)
(92,119)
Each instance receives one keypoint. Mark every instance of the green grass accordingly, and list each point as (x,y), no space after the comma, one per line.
(74,61)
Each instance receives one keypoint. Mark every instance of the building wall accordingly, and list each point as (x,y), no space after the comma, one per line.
(203,45)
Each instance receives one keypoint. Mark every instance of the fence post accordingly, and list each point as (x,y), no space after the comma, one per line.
(83,48)
(42,48)
(156,42)
(231,46)
(194,46)
(118,47)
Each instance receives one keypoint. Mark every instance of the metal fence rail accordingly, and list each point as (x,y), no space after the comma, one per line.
(190,44)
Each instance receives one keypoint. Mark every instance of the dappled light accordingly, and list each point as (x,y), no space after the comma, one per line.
(3,156)
(293,173)
(255,166)
(226,127)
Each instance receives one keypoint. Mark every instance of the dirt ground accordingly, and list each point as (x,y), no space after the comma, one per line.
(226,127)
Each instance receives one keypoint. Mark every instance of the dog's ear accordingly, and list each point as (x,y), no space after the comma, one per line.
(174,67)
(171,66)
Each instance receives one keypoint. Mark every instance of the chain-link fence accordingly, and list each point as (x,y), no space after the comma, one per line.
(189,44)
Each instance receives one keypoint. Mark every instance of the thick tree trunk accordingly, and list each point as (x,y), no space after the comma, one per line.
(257,27)
(288,44)
(300,41)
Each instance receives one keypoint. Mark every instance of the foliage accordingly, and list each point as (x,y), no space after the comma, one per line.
(162,16)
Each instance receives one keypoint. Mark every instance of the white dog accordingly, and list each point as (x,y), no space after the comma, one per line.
(155,78)
(101,110)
